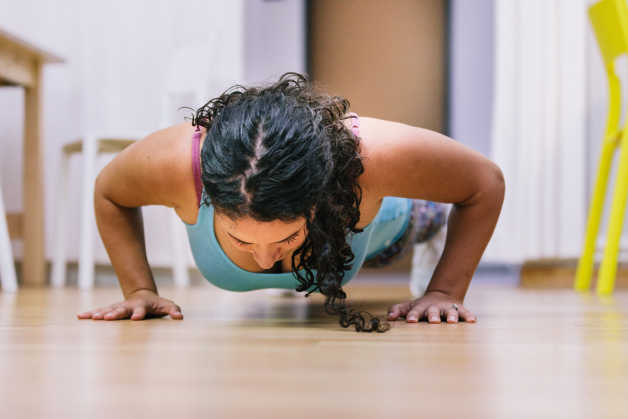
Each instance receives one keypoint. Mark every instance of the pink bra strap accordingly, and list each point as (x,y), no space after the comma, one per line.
(355,125)
(196,164)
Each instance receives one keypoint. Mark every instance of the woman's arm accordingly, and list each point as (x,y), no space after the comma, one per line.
(469,229)
(148,172)
(417,163)
(122,233)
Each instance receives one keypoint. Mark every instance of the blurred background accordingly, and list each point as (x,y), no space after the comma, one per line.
(522,82)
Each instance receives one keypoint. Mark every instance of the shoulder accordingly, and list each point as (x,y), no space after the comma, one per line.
(371,198)
(172,148)
(382,157)
(368,151)
(180,142)
(149,171)
(413,162)
(175,143)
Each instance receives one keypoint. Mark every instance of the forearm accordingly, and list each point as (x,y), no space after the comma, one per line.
(469,229)
(122,232)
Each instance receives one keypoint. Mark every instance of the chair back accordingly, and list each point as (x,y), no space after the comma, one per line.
(609,19)
(610,24)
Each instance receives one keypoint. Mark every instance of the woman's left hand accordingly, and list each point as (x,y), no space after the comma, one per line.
(431,306)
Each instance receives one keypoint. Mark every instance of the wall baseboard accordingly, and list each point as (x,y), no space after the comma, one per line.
(104,275)
(561,273)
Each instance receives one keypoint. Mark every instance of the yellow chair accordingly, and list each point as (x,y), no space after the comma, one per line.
(609,19)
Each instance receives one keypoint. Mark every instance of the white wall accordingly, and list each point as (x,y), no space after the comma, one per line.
(559,226)
(470,91)
(555,119)
(118,56)
(275,39)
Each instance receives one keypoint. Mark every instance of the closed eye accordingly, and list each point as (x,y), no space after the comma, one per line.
(288,240)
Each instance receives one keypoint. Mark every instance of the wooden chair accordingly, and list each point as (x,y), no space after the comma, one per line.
(609,19)
(91,146)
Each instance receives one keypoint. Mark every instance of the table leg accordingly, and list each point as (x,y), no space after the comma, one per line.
(33,265)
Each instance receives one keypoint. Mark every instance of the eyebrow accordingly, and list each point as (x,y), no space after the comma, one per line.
(282,240)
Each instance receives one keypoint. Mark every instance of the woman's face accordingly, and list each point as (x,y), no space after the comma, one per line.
(268,242)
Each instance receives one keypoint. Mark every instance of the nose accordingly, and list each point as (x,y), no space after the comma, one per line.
(266,259)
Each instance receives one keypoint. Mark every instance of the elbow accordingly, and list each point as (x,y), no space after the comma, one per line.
(491,186)
(498,181)
(496,184)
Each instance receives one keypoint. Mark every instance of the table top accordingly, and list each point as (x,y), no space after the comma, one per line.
(11,41)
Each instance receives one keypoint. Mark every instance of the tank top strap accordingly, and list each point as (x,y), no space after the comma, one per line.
(196,164)
(355,123)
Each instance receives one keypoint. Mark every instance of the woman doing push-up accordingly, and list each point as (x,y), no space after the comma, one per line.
(280,186)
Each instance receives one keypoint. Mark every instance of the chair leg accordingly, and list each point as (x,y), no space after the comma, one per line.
(86,255)
(179,264)
(608,269)
(585,264)
(7,266)
(61,197)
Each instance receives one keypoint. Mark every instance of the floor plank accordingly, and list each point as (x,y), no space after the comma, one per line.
(532,353)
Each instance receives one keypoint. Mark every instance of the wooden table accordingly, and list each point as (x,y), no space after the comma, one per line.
(21,65)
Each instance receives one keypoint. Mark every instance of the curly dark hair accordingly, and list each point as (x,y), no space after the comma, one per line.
(282,152)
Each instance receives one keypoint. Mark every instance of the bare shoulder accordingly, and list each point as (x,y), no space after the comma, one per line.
(413,162)
(152,171)
(371,199)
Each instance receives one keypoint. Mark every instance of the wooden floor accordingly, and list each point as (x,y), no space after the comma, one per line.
(541,354)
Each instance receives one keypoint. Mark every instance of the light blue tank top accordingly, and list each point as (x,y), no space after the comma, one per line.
(389,224)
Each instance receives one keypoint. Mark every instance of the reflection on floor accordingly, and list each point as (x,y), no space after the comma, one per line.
(531,354)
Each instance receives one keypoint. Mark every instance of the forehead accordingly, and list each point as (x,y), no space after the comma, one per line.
(249,228)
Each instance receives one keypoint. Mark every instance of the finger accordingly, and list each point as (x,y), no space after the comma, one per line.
(118,313)
(452,315)
(99,313)
(466,315)
(433,314)
(417,312)
(175,312)
(102,312)
(139,313)
(85,315)
(397,310)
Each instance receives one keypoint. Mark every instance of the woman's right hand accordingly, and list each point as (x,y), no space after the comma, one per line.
(139,305)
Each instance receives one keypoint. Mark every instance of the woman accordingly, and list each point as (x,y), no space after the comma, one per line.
(291,191)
